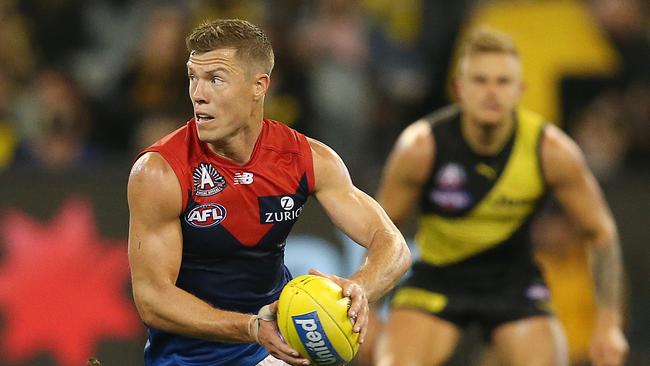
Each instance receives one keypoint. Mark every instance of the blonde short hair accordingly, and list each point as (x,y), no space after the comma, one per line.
(487,40)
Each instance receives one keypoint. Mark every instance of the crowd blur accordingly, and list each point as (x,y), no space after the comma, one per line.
(88,82)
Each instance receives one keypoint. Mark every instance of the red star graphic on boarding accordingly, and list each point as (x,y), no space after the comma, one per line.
(62,287)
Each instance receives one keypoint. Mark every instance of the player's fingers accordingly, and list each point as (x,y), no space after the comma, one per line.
(334,278)
(281,347)
(314,271)
(357,299)
(283,351)
(361,325)
(272,340)
(273,307)
(362,334)
(297,361)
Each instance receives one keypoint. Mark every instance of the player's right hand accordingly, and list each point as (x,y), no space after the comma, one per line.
(269,337)
(359,309)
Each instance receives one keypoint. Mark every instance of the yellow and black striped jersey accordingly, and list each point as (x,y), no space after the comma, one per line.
(476,209)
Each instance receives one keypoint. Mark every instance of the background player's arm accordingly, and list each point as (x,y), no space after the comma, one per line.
(361,218)
(406,171)
(578,192)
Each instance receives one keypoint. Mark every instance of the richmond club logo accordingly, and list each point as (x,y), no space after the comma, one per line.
(207,181)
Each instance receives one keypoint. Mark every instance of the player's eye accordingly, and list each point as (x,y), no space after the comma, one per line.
(504,81)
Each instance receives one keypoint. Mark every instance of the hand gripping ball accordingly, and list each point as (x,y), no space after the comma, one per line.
(313,319)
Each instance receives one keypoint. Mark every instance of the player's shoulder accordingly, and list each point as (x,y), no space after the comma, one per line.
(322,153)
(415,134)
(436,125)
(417,141)
(561,156)
(443,116)
(152,183)
(556,144)
(151,166)
(329,169)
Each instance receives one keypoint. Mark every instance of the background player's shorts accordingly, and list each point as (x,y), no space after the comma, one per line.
(272,361)
(489,303)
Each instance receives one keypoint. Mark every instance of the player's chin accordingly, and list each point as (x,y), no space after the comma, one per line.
(491,117)
(208,133)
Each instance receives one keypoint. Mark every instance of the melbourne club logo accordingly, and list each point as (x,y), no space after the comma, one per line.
(207,181)
(243,178)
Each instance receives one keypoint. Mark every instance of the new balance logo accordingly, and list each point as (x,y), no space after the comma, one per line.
(243,178)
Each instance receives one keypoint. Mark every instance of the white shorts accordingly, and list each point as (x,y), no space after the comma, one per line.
(272,361)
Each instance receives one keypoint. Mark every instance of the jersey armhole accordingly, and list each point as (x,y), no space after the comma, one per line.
(307,158)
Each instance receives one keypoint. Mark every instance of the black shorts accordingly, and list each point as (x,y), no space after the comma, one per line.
(488,302)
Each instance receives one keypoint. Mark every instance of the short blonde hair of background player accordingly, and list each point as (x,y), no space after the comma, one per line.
(486,40)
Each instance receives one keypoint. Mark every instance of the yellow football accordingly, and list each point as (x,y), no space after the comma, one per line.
(313,319)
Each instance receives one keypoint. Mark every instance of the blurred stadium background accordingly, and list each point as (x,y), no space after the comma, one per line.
(86,84)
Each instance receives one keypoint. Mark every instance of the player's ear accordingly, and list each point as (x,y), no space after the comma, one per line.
(262,82)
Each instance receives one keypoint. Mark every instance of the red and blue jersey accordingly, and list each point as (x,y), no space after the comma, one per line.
(234,223)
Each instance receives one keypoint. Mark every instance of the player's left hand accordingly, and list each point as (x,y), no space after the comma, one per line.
(608,347)
(358,311)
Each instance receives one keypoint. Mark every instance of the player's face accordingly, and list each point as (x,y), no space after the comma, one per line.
(222,93)
(489,86)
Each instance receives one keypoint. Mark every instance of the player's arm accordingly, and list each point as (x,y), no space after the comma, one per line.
(361,218)
(155,249)
(155,252)
(407,169)
(576,189)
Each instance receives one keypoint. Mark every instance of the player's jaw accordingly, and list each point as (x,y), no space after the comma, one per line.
(491,112)
(207,126)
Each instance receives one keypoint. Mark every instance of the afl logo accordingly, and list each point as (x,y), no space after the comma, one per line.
(206,215)
(451,176)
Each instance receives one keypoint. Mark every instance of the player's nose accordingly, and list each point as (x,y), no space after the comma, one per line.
(197,93)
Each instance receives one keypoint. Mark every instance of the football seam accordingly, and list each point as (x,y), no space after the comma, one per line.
(331,317)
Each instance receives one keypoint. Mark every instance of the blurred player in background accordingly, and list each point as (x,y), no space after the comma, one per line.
(479,171)
(211,206)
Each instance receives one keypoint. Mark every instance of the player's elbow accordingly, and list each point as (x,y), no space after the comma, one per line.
(402,256)
(147,302)
(604,235)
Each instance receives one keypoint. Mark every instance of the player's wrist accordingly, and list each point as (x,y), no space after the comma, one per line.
(253,328)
